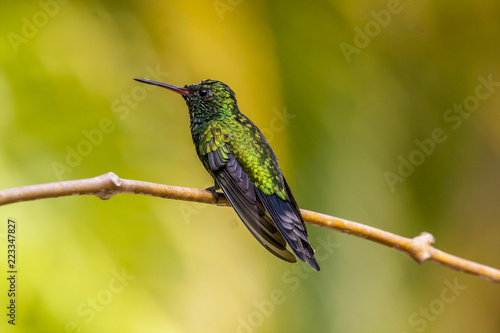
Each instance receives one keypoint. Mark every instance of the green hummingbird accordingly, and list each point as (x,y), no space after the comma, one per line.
(241,161)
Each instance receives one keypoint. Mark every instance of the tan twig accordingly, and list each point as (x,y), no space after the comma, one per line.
(105,186)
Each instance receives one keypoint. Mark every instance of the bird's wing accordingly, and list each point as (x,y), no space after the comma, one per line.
(242,195)
(286,216)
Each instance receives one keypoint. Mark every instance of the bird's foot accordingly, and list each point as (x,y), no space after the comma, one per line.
(214,189)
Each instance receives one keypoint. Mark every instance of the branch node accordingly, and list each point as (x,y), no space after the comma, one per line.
(421,247)
(114,178)
(112,185)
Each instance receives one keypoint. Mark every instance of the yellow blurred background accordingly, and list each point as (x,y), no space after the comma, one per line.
(381,112)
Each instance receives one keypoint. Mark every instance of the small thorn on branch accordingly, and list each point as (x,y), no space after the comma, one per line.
(421,247)
(111,184)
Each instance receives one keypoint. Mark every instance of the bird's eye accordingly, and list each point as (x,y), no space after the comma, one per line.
(203,92)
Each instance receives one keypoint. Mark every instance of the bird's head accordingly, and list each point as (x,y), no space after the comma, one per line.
(208,97)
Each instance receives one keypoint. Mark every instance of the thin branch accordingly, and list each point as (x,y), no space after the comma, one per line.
(106,186)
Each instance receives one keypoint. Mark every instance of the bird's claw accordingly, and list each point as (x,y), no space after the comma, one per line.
(213,189)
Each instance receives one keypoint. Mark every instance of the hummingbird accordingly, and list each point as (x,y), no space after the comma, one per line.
(243,165)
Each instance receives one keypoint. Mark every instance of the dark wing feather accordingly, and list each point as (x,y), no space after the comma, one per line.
(241,193)
(286,216)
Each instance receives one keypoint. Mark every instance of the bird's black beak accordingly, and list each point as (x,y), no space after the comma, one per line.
(179,90)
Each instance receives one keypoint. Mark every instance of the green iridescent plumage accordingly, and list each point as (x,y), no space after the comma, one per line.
(244,166)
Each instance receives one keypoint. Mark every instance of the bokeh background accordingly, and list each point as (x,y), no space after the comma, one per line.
(342,110)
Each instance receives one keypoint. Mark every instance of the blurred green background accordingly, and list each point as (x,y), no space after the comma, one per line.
(342,90)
